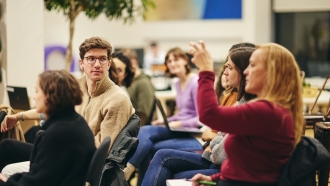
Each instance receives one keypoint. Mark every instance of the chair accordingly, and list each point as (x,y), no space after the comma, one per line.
(95,167)
(121,151)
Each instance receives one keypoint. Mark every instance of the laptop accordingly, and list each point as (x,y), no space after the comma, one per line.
(176,129)
(18,98)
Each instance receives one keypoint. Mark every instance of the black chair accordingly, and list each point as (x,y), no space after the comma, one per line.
(95,167)
(121,151)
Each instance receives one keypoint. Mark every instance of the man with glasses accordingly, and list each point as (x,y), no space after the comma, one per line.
(105,107)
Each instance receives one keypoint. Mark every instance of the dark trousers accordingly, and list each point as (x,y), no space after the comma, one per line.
(14,151)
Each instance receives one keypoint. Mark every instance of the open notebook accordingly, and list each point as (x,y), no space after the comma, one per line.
(178,182)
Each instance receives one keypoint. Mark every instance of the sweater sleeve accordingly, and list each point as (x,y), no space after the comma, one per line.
(255,119)
(116,114)
(216,177)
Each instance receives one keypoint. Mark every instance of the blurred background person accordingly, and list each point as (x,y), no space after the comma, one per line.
(141,91)
(152,138)
(124,69)
(154,57)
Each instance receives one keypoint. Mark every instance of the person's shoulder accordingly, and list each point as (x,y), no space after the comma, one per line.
(115,95)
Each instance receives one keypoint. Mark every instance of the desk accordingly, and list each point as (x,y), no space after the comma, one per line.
(322,102)
(163,96)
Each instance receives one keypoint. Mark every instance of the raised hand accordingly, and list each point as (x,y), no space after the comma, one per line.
(201,57)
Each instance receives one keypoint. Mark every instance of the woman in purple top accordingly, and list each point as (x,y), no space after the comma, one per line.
(152,138)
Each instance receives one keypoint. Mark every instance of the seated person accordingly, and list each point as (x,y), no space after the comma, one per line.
(124,70)
(141,91)
(262,133)
(152,137)
(66,135)
(177,164)
(113,74)
(104,105)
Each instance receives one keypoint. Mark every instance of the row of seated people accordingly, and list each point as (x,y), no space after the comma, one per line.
(243,130)
(254,140)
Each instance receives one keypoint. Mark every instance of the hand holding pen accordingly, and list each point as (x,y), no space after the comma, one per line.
(202,179)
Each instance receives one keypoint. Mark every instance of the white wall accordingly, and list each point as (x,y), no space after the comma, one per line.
(301,5)
(23,42)
(219,35)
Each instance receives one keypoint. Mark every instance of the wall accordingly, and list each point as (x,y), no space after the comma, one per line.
(23,43)
(219,35)
(301,5)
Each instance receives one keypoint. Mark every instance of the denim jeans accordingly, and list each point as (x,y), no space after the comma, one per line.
(153,138)
(174,164)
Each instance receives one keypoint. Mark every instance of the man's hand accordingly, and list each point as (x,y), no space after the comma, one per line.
(175,124)
(157,122)
(200,177)
(8,122)
(208,149)
(3,178)
(208,135)
(201,57)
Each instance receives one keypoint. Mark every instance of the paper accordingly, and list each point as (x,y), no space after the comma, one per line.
(178,182)
(9,89)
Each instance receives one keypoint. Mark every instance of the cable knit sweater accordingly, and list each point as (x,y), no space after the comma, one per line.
(106,111)
(60,155)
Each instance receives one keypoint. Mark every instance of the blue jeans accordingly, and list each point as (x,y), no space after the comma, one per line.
(174,164)
(153,138)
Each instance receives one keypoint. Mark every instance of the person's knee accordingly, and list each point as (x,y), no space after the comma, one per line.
(4,144)
(163,154)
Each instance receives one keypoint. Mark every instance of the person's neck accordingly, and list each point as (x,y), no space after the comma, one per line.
(91,86)
(262,94)
(137,72)
(183,77)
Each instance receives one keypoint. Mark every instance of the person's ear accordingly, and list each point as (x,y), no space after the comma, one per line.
(81,64)
(109,64)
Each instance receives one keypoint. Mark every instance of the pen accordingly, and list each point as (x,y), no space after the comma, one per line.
(204,182)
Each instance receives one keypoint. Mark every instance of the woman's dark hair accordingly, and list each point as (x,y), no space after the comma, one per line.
(61,90)
(218,87)
(240,57)
(240,45)
(177,53)
(128,70)
(113,73)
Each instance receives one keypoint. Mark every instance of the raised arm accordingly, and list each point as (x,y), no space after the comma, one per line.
(256,118)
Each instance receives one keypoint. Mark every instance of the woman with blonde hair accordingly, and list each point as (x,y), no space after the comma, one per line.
(262,133)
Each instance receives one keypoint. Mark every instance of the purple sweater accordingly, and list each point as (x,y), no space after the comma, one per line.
(186,101)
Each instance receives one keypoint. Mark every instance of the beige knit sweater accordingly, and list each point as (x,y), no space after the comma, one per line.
(106,111)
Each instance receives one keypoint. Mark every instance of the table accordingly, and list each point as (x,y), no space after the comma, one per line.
(163,96)
(322,102)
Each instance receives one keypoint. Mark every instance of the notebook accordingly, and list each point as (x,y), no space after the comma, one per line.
(175,129)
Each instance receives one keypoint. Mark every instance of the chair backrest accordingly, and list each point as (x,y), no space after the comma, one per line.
(95,167)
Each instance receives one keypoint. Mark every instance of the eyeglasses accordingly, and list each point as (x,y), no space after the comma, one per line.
(92,60)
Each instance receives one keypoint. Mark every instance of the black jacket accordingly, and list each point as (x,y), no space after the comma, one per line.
(61,154)
(121,151)
(309,156)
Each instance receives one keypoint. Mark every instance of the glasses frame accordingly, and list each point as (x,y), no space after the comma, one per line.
(107,61)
